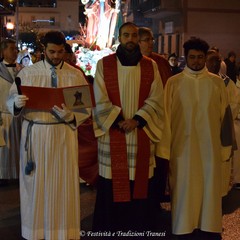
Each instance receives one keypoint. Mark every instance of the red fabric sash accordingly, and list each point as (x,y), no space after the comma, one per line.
(118,147)
(163,67)
(87,152)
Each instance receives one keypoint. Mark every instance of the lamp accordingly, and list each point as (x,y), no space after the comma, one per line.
(10,26)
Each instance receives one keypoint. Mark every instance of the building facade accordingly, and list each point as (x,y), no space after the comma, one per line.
(172,21)
(175,21)
(41,16)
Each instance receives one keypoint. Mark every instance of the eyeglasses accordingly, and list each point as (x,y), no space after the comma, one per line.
(147,40)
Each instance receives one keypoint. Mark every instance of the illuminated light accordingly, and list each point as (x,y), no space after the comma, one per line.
(10,26)
(68,38)
(84,1)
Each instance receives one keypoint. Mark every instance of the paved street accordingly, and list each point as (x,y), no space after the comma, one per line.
(10,214)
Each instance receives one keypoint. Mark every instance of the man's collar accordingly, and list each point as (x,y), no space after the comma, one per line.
(195,72)
(7,64)
(48,65)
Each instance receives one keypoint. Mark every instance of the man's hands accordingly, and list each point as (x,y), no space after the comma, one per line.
(63,113)
(20,101)
(128,125)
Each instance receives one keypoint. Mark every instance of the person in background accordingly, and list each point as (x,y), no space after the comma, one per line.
(146,42)
(49,175)
(213,64)
(164,55)
(173,62)
(128,121)
(182,62)
(195,145)
(38,55)
(233,93)
(236,155)
(230,62)
(223,67)
(23,59)
(69,55)
(11,126)
(70,58)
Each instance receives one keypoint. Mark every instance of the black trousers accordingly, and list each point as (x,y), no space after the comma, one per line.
(136,215)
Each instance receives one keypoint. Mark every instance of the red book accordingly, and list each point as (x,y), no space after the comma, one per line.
(74,97)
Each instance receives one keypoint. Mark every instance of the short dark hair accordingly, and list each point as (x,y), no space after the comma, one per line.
(126,24)
(68,48)
(196,44)
(173,55)
(212,52)
(55,37)
(213,63)
(4,43)
(215,49)
(232,54)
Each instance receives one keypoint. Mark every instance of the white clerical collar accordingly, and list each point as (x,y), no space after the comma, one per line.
(189,70)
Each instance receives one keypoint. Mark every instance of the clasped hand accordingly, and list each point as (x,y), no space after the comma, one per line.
(128,125)
(63,113)
(20,101)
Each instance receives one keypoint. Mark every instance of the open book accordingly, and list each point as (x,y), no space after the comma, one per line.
(74,97)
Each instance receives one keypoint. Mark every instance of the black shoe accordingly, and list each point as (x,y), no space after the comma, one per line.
(209,235)
(4,182)
(236,186)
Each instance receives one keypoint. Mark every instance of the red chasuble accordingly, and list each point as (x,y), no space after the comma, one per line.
(118,147)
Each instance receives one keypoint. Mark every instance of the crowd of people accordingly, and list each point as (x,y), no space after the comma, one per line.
(156,133)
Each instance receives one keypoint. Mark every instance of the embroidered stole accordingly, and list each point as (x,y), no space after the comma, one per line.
(118,147)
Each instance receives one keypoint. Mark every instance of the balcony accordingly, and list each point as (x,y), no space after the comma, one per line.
(39,3)
(39,24)
(160,8)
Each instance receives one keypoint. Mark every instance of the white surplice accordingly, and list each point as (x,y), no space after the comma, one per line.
(50,198)
(105,114)
(10,129)
(195,105)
